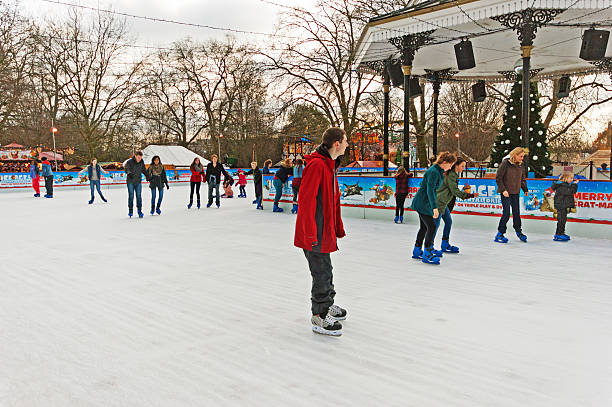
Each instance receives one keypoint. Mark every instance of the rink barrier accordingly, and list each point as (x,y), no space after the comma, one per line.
(593,199)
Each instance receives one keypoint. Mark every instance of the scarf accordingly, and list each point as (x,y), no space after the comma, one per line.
(197,167)
(157,169)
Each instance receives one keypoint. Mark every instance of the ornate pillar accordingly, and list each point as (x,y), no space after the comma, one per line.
(526,23)
(408,45)
(436,78)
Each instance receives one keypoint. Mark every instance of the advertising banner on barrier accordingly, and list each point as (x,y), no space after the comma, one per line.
(72,178)
(593,199)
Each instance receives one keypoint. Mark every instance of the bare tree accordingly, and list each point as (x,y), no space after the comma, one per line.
(169,104)
(100,86)
(477,123)
(318,67)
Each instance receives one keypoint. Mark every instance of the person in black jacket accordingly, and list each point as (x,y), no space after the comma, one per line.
(135,169)
(279,181)
(258,181)
(565,190)
(213,177)
(157,179)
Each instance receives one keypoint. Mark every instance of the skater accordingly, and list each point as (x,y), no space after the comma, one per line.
(295,184)
(213,177)
(35,175)
(242,183)
(510,180)
(565,189)
(401,192)
(279,181)
(258,182)
(425,203)
(47,173)
(266,168)
(197,177)
(228,192)
(156,174)
(94,174)
(135,169)
(447,195)
(319,224)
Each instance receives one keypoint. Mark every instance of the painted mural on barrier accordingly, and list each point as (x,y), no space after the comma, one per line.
(593,200)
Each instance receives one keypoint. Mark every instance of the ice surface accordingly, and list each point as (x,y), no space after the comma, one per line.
(211,308)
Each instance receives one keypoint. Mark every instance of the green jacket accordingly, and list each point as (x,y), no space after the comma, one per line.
(449,190)
(426,197)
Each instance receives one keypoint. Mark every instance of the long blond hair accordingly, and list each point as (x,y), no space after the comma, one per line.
(516,151)
(567,176)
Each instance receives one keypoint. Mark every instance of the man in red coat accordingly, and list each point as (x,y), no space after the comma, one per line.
(319,224)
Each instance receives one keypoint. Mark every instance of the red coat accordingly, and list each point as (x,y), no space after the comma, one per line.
(242,178)
(319,177)
(196,176)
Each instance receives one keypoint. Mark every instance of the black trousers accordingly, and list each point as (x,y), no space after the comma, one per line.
(427,231)
(49,184)
(322,292)
(196,186)
(511,202)
(399,204)
(561,220)
(296,192)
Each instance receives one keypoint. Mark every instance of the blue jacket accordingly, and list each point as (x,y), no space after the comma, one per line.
(426,198)
(46,169)
(34,171)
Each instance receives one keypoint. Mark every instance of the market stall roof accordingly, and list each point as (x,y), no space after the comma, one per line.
(49,155)
(496,48)
(13,145)
(370,164)
(175,155)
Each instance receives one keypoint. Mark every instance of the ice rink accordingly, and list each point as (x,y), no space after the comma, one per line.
(211,307)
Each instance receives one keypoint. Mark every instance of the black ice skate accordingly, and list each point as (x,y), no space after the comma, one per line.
(337,313)
(326,326)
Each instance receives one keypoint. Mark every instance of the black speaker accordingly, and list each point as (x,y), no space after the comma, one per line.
(594,44)
(415,88)
(479,92)
(564,87)
(396,74)
(465,55)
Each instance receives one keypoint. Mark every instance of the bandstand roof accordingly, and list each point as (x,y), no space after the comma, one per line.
(496,48)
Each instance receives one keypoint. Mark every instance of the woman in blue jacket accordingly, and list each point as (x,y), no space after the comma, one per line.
(425,203)
(94,174)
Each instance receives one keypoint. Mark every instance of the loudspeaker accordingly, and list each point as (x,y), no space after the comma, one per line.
(479,92)
(594,44)
(465,55)
(415,88)
(564,87)
(396,74)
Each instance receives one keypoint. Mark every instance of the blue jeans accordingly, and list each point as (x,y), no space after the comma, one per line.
(513,201)
(215,187)
(278,187)
(134,188)
(95,184)
(448,223)
(154,194)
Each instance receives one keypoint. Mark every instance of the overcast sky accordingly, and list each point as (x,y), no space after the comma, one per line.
(248,15)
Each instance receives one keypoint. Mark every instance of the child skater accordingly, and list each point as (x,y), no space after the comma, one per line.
(258,182)
(564,189)
(242,182)
(227,187)
(401,192)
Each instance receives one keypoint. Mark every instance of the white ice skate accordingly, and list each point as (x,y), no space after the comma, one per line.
(327,326)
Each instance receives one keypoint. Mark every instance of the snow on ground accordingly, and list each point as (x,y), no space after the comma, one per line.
(211,308)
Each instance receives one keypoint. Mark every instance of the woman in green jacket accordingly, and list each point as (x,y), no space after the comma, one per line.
(447,194)
(425,203)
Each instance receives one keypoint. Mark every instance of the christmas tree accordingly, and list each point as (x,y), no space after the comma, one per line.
(510,134)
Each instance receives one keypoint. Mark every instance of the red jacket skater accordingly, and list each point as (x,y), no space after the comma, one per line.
(318,222)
